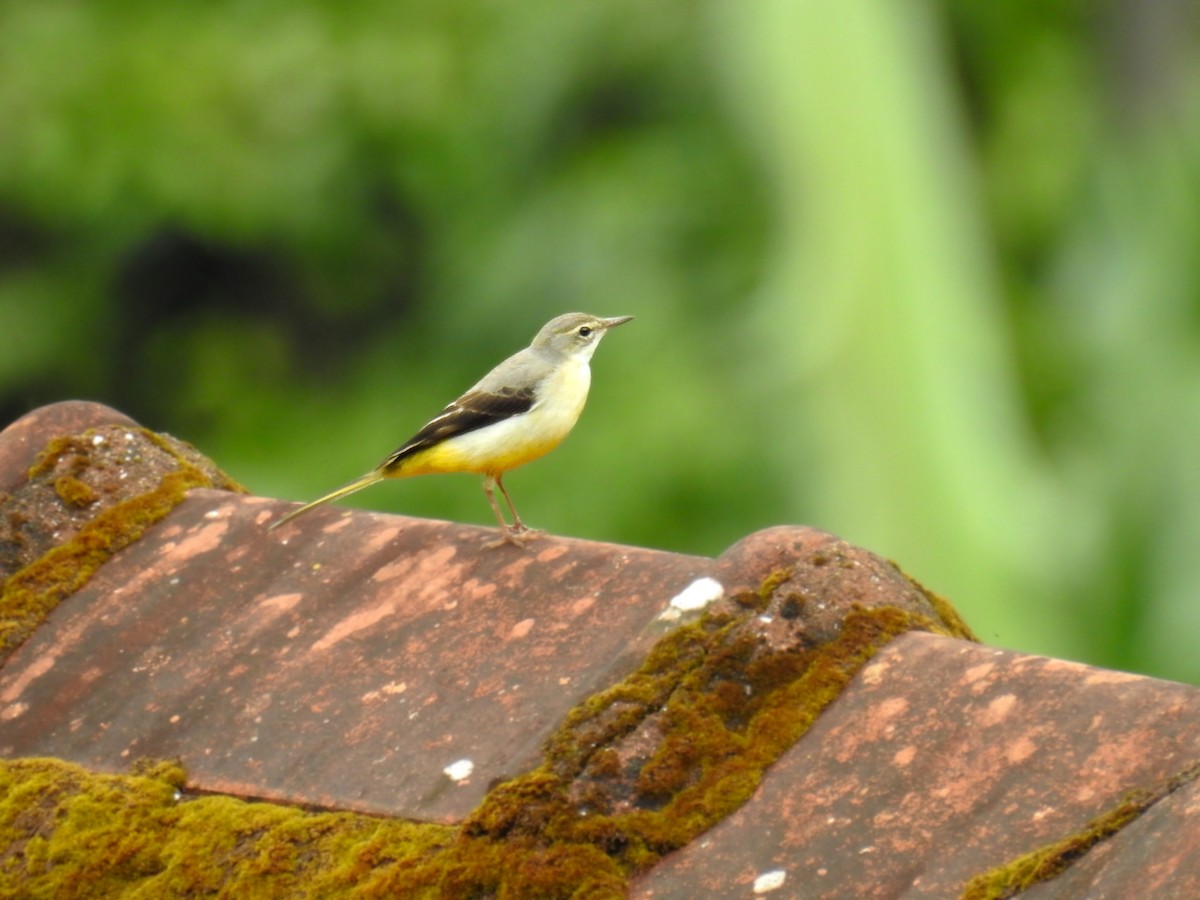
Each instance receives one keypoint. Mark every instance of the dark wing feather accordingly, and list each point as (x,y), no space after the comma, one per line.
(471,411)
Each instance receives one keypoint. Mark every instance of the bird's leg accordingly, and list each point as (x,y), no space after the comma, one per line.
(518,527)
(488,483)
(518,532)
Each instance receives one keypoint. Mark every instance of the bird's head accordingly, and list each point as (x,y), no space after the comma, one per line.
(576,334)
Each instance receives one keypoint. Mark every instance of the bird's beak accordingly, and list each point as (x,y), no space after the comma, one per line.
(615,321)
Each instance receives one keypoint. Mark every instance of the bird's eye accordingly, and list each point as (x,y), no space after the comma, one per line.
(585,330)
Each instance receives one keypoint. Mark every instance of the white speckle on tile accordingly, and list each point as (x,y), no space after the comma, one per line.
(459,771)
(698,595)
(769,881)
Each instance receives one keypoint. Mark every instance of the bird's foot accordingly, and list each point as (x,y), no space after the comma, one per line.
(518,535)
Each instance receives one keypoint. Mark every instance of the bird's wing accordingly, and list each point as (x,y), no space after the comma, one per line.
(473,410)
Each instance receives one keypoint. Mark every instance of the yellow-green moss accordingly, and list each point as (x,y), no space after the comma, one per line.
(170,445)
(32,592)
(50,455)
(74,492)
(726,706)
(760,598)
(82,446)
(1046,862)
(713,750)
(68,833)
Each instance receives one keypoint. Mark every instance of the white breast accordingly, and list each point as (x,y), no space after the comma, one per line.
(523,438)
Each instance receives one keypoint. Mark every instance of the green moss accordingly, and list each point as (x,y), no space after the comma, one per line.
(68,833)
(74,492)
(773,581)
(52,453)
(169,771)
(31,593)
(1046,862)
(605,763)
(760,598)
(725,707)
(172,447)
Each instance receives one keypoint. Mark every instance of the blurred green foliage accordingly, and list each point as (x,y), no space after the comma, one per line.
(923,274)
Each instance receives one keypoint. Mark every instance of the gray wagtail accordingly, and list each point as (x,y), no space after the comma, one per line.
(520,410)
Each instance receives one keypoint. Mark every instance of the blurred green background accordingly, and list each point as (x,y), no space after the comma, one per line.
(924,274)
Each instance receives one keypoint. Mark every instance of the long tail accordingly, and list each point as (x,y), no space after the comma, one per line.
(356,485)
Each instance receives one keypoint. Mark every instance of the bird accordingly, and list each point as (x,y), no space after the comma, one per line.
(518,412)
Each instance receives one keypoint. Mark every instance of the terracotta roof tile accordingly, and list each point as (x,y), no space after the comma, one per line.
(946,759)
(393,666)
